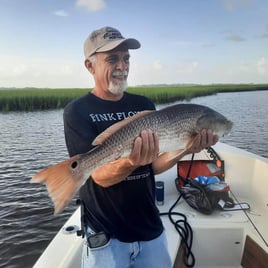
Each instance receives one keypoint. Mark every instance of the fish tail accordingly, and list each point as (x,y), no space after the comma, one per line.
(61,181)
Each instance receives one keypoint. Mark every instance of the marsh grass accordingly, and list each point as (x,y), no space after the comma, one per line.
(32,99)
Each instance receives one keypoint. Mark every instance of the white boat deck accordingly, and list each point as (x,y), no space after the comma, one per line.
(218,238)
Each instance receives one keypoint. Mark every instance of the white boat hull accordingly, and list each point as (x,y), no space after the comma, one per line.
(219,238)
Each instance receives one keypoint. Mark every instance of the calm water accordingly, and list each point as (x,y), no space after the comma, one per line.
(32,141)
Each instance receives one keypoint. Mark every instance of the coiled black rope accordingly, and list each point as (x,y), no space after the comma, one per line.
(185,231)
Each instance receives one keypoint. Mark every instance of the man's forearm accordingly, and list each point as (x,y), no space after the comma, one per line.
(113,172)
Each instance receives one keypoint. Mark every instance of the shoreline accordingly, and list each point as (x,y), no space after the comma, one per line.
(41,99)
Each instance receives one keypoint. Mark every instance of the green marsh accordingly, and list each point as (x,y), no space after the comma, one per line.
(33,99)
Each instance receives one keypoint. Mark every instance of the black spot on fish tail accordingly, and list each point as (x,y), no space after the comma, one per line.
(74,164)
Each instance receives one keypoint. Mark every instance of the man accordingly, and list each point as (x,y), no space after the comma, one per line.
(123,227)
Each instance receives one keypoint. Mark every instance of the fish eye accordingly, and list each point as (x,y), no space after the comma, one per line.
(74,164)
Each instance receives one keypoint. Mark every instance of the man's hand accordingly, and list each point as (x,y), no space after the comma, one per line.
(202,141)
(145,149)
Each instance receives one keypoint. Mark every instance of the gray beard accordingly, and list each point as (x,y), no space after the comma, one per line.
(117,89)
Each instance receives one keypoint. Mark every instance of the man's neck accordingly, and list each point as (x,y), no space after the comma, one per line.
(106,95)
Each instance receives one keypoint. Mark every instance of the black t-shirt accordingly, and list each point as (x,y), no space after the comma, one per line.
(127,209)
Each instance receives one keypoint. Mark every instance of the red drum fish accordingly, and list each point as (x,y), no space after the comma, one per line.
(176,126)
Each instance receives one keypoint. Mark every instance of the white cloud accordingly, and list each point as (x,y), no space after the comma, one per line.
(40,72)
(187,67)
(19,69)
(91,5)
(143,73)
(262,66)
(61,13)
(253,71)
(157,65)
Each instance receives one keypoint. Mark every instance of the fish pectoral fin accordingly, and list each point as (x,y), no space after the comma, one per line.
(175,154)
(190,142)
(61,182)
(184,138)
(187,143)
(115,127)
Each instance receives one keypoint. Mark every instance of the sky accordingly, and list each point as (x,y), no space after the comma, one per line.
(182,41)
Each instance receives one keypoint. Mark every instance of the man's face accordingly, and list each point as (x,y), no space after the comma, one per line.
(111,70)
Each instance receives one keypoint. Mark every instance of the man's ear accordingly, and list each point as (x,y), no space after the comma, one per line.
(89,66)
